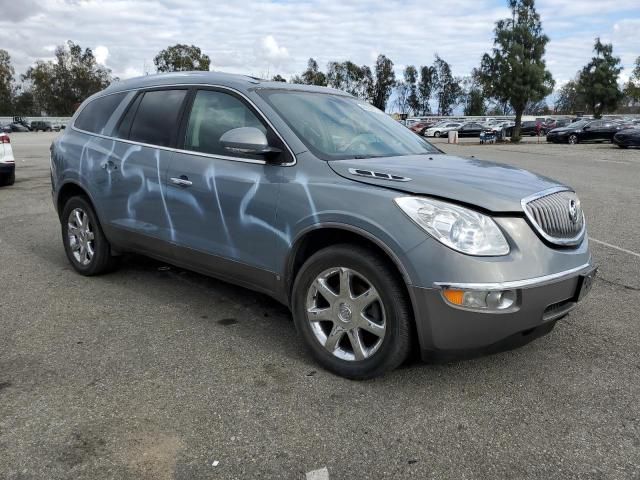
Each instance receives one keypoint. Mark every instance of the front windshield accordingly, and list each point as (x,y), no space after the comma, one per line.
(336,127)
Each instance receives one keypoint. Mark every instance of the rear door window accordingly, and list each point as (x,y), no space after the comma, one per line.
(95,115)
(156,120)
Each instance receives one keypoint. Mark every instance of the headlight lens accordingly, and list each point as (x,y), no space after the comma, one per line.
(464,230)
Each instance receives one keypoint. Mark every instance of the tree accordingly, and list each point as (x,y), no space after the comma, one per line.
(403,91)
(6,83)
(384,79)
(181,58)
(447,88)
(598,80)
(425,87)
(473,98)
(351,78)
(516,72)
(278,78)
(632,88)
(569,99)
(411,79)
(312,75)
(59,86)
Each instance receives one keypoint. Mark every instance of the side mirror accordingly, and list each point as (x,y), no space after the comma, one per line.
(586,127)
(248,140)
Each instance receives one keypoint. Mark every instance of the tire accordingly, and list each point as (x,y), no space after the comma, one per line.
(622,146)
(338,317)
(85,263)
(573,139)
(9,179)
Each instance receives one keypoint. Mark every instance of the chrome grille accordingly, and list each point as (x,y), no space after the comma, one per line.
(557,216)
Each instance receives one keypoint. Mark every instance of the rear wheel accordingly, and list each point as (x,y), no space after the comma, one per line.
(573,139)
(86,247)
(351,310)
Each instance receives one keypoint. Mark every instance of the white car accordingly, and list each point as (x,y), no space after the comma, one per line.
(441,129)
(7,162)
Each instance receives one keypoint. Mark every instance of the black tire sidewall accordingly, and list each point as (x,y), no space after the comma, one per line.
(101,259)
(396,344)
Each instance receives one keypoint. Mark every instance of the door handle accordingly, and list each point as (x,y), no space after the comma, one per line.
(183,181)
(108,165)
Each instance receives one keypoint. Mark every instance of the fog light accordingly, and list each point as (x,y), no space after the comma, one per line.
(481,299)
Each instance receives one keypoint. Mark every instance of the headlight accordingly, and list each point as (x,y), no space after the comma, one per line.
(457,227)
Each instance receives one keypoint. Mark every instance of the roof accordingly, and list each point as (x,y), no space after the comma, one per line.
(239,82)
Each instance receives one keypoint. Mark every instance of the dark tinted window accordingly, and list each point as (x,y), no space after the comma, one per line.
(214,113)
(94,116)
(124,126)
(156,120)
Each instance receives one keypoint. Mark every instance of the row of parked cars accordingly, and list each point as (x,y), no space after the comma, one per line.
(624,132)
(21,125)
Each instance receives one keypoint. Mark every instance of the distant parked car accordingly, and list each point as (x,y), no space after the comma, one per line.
(585,131)
(557,123)
(441,129)
(38,125)
(18,127)
(419,127)
(7,162)
(5,128)
(629,137)
(470,129)
(531,128)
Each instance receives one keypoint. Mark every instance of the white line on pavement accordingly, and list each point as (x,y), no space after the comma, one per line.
(635,254)
(322,474)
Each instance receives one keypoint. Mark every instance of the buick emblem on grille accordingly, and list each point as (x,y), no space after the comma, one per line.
(573,211)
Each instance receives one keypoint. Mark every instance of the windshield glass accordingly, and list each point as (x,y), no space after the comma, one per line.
(338,127)
(578,124)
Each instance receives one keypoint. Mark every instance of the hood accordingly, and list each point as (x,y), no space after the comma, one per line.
(491,186)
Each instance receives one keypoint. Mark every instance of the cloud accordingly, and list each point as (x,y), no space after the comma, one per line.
(269,50)
(279,36)
(17,11)
(101,53)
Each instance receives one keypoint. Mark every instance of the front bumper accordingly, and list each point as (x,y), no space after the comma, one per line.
(448,331)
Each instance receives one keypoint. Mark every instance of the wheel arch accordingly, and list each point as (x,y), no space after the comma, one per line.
(316,237)
(71,189)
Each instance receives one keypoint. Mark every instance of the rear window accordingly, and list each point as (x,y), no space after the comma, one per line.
(94,115)
(156,119)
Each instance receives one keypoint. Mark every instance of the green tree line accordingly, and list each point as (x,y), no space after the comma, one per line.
(511,79)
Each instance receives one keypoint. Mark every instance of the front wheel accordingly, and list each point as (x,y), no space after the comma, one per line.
(351,309)
(86,247)
(573,139)
(436,134)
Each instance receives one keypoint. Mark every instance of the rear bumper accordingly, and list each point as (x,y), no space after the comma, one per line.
(447,332)
(7,168)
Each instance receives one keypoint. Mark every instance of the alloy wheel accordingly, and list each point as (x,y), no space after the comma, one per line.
(346,314)
(573,139)
(81,236)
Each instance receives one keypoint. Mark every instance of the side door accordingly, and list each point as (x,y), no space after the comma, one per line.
(592,131)
(144,140)
(222,204)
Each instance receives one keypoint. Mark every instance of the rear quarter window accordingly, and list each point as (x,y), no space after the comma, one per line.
(95,115)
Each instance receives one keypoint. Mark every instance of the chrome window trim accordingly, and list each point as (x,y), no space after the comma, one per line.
(526,283)
(191,152)
(566,242)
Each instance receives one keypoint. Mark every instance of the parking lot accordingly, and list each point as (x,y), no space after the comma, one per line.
(153,372)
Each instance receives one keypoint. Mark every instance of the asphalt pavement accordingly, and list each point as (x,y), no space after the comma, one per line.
(153,372)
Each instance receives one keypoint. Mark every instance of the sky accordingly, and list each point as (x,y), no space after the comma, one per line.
(264,38)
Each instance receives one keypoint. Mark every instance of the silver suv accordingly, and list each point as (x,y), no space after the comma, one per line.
(377,241)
